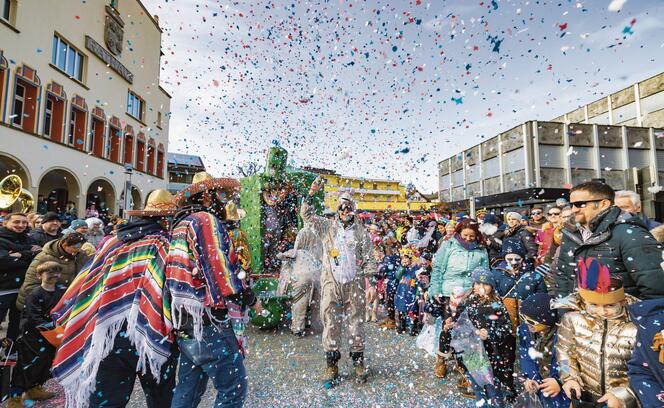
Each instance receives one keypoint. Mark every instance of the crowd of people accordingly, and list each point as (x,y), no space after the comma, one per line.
(567,299)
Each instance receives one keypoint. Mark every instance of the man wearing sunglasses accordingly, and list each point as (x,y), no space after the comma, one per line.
(615,238)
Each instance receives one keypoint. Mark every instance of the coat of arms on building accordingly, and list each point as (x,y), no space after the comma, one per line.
(114,30)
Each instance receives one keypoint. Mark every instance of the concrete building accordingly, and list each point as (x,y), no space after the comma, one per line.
(371,194)
(641,104)
(81,108)
(618,138)
(181,170)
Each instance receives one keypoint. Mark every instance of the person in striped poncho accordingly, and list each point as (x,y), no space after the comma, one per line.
(116,317)
(203,279)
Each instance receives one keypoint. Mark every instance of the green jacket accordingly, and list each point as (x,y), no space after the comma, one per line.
(453,265)
(622,243)
(51,252)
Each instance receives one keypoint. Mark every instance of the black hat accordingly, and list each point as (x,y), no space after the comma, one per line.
(50,216)
(538,307)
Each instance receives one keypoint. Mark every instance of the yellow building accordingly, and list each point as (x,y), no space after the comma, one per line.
(81,108)
(371,194)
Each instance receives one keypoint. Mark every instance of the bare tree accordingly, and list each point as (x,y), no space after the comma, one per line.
(249,169)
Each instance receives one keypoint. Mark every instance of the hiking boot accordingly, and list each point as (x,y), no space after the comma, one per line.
(360,370)
(15,402)
(468,392)
(440,369)
(464,383)
(38,393)
(331,373)
(388,323)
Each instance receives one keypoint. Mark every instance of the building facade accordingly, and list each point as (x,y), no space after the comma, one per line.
(618,138)
(181,170)
(371,194)
(82,114)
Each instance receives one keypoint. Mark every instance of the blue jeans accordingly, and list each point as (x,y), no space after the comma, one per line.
(493,396)
(217,356)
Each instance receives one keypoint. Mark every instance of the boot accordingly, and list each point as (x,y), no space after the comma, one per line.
(15,402)
(463,381)
(358,363)
(388,323)
(440,369)
(332,370)
(38,393)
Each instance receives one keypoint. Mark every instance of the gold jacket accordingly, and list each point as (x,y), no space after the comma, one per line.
(581,339)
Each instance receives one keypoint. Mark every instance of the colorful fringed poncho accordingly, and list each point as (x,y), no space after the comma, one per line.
(201,269)
(123,284)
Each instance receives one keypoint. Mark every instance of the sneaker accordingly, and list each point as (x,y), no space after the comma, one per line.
(331,373)
(388,323)
(38,393)
(360,372)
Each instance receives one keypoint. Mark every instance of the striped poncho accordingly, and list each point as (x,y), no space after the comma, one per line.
(201,268)
(123,284)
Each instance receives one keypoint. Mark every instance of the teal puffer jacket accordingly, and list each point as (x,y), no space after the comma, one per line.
(453,265)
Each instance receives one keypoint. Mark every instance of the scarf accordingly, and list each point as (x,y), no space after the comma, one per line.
(201,268)
(123,284)
(467,245)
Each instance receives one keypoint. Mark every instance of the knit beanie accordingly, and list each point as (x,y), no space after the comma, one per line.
(514,214)
(78,224)
(513,245)
(483,275)
(50,216)
(538,308)
(491,218)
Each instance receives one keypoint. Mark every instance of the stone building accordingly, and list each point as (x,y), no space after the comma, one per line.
(82,112)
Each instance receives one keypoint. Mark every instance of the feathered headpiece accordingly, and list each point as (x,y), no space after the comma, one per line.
(596,285)
(408,252)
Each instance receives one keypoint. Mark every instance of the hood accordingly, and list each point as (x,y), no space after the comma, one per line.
(614,215)
(653,307)
(13,236)
(138,229)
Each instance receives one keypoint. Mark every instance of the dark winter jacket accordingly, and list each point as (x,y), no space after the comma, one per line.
(527,239)
(405,300)
(624,245)
(387,270)
(519,285)
(12,269)
(494,244)
(646,368)
(41,238)
(537,368)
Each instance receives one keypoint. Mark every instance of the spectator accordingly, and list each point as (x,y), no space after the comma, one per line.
(66,252)
(630,201)
(537,340)
(48,231)
(493,229)
(95,231)
(35,355)
(79,226)
(544,237)
(452,267)
(537,219)
(34,221)
(596,339)
(387,268)
(618,240)
(16,253)
(646,368)
(515,229)
(91,211)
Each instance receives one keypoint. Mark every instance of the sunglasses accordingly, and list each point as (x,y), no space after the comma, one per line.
(554,214)
(536,212)
(584,204)
(527,320)
(345,208)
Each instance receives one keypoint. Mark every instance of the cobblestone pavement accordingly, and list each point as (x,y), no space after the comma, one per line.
(284,371)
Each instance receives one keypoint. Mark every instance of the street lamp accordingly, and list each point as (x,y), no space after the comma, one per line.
(128,170)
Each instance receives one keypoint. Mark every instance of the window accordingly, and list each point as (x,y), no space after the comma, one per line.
(135,105)
(159,120)
(72,127)
(6,8)
(67,58)
(19,101)
(48,117)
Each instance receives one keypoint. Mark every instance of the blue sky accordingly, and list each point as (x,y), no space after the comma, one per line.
(388,89)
